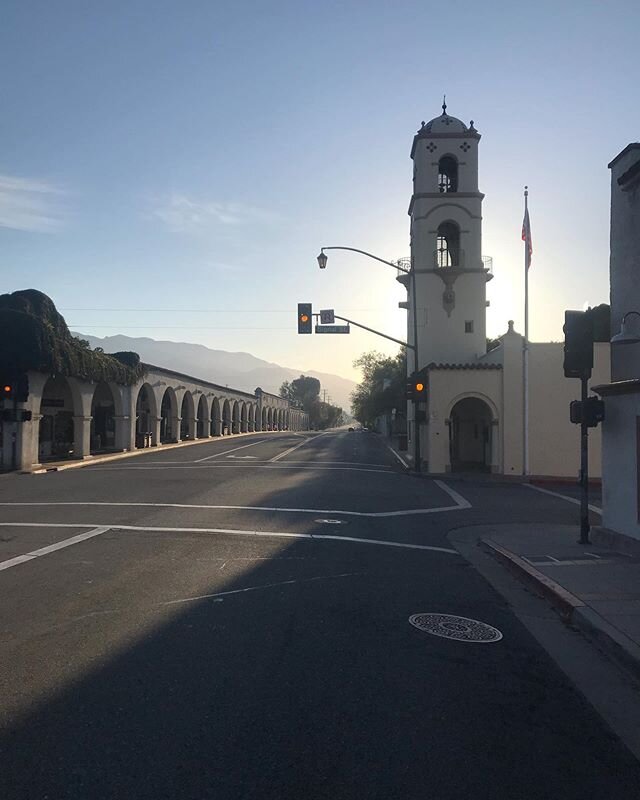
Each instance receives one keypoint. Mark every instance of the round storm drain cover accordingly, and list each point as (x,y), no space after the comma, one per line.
(331,521)
(462,629)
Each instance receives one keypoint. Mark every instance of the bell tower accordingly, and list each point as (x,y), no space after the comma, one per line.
(446,238)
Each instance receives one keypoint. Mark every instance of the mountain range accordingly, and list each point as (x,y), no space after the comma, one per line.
(237,370)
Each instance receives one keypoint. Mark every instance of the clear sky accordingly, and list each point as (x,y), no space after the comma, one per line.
(171,169)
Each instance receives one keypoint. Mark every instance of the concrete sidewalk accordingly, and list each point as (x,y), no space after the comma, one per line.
(594,587)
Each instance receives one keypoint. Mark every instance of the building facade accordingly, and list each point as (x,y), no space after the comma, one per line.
(75,419)
(621,394)
(474,415)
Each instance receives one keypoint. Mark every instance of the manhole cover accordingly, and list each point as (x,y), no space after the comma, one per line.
(331,521)
(449,626)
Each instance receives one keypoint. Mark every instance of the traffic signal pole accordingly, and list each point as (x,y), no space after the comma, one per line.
(584,464)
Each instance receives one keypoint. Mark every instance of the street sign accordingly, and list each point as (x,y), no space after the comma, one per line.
(333,329)
(327,316)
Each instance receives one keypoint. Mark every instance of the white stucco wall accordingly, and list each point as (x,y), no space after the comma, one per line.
(620,465)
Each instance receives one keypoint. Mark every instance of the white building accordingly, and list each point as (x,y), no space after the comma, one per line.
(474,416)
(621,428)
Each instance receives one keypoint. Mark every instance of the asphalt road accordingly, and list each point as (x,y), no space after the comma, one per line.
(231,620)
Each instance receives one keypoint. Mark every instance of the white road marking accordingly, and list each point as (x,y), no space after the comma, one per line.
(295,447)
(51,548)
(237,532)
(573,500)
(268,465)
(233,450)
(458,498)
(256,588)
(398,456)
(324,511)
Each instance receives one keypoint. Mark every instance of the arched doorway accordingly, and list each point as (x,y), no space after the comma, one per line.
(236,417)
(216,418)
(226,418)
(470,435)
(56,434)
(188,415)
(203,417)
(168,416)
(146,415)
(103,419)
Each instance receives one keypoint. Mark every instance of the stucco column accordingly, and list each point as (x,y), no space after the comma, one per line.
(206,424)
(155,425)
(252,427)
(174,429)
(235,426)
(82,437)
(495,446)
(27,436)
(217,427)
(124,439)
(244,426)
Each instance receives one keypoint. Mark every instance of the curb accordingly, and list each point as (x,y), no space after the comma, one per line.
(571,608)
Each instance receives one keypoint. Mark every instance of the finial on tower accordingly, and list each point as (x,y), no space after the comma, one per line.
(444,104)
(526,191)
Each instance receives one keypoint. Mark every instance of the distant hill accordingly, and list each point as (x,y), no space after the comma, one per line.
(238,370)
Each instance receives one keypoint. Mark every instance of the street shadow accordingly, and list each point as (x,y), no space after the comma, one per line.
(316,688)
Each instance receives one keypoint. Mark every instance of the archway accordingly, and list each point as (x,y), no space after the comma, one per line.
(236,417)
(252,417)
(216,418)
(269,419)
(188,417)
(169,416)
(56,434)
(103,422)
(264,421)
(203,417)
(226,418)
(146,415)
(470,435)
(244,417)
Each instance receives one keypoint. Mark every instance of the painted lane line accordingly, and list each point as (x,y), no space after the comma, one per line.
(295,447)
(239,532)
(251,466)
(233,450)
(324,511)
(458,498)
(573,500)
(43,551)
(257,588)
(398,456)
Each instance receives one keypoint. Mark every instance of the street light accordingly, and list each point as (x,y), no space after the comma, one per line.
(623,337)
(322,263)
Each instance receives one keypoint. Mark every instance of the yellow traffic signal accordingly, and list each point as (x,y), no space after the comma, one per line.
(305,323)
(419,387)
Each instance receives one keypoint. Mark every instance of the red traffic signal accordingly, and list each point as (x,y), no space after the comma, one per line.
(417,387)
(305,318)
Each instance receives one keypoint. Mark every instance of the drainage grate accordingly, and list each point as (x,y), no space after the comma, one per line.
(462,629)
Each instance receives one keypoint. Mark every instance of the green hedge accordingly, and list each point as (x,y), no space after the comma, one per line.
(34,336)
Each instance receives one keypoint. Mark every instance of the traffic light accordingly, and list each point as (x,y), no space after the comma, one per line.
(593,409)
(578,344)
(305,318)
(417,387)
(15,387)
(7,386)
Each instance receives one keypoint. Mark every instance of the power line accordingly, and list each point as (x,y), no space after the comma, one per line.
(215,310)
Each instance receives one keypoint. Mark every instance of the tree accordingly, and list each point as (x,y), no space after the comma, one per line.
(383,385)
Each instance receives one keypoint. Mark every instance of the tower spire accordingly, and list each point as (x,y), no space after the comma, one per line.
(444,104)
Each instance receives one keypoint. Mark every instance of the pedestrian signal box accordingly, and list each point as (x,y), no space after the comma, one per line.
(305,318)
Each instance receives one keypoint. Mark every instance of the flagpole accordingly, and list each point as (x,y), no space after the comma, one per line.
(525,345)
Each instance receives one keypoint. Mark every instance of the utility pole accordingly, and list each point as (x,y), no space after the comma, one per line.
(584,463)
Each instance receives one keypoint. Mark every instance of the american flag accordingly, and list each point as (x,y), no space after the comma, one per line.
(526,237)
